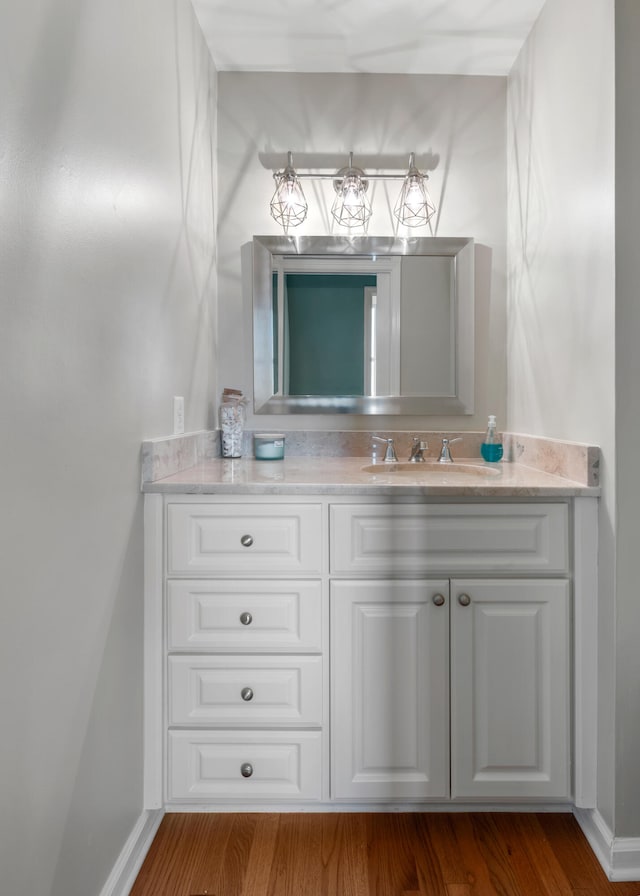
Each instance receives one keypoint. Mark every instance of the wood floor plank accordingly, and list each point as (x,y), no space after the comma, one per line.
(260,861)
(297,869)
(345,855)
(181,854)
(230,878)
(570,849)
(458,890)
(494,849)
(430,876)
(477,874)
(392,867)
(439,832)
(540,857)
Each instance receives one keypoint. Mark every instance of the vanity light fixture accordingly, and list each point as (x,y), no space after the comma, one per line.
(414,206)
(351,206)
(288,204)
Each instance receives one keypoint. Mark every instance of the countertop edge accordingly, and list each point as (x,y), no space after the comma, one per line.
(345,477)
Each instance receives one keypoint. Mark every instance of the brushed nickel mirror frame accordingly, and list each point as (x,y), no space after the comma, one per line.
(461,250)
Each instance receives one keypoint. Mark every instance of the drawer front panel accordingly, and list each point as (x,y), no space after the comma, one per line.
(254,691)
(248,538)
(245,616)
(277,765)
(409,539)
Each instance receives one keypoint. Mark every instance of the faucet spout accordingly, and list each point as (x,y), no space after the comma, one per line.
(418,446)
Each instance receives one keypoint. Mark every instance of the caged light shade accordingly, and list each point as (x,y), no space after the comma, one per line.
(288,204)
(351,207)
(414,206)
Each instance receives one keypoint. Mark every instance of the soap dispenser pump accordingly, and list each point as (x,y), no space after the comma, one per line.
(491,448)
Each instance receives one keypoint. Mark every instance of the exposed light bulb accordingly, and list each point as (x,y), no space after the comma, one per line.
(414,206)
(288,205)
(351,208)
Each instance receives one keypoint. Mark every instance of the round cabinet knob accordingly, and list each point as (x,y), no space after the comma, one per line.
(464,600)
(246,694)
(246,769)
(246,541)
(438,600)
(246,618)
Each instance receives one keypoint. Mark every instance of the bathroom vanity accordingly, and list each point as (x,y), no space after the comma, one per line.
(322,637)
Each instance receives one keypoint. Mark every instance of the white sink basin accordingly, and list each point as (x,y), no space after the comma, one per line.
(433,470)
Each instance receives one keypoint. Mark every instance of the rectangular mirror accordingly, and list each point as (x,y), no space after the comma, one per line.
(363,325)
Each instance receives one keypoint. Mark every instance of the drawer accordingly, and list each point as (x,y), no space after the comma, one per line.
(258,691)
(278,764)
(410,539)
(241,539)
(245,616)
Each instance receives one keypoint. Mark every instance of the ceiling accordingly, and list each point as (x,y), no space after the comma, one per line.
(470,37)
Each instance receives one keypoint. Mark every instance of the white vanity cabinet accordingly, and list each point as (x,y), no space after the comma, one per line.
(456,687)
(309,649)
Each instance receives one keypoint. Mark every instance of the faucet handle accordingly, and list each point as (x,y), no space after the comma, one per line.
(445,454)
(390,454)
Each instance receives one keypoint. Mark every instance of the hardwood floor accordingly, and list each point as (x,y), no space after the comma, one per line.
(371,854)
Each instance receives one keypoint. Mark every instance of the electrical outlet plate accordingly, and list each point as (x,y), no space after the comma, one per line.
(178,415)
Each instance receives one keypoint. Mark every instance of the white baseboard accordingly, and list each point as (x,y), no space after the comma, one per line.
(619,856)
(129,862)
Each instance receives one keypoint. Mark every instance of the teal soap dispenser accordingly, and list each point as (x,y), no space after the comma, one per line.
(491,448)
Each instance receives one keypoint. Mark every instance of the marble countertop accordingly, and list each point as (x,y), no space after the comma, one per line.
(345,475)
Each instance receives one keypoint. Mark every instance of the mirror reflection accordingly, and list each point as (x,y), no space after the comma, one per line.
(363,325)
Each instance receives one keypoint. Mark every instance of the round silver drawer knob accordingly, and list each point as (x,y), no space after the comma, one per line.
(246,694)
(464,600)
(246,769)
(438,599)
(246,618)
(246,541)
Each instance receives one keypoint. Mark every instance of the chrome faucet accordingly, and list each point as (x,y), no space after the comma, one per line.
(390,454)
(445,453)
(417,447)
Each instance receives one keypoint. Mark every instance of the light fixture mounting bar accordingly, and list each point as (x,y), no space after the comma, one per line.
(333,175)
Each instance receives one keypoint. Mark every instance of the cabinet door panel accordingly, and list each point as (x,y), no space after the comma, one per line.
(390,689)
(510,709)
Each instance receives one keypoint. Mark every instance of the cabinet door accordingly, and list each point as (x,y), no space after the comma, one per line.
(510,710)
(390,689)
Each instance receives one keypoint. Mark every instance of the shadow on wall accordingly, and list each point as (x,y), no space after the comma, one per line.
(109,762)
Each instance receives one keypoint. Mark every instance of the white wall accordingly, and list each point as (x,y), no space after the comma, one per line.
(457,123)
(628,417)
(107,247)
(561,307)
